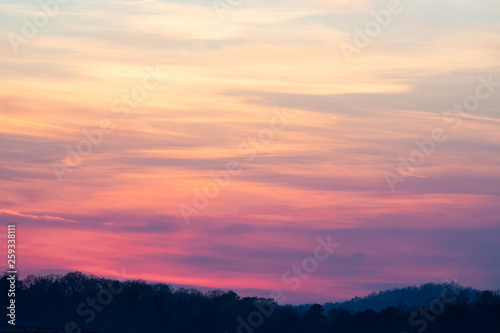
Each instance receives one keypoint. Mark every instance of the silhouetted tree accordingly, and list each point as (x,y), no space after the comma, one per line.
(108,306)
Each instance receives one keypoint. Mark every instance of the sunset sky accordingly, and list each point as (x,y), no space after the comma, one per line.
(119,116)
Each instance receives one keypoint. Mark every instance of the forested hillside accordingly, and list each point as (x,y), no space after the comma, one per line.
(77,303)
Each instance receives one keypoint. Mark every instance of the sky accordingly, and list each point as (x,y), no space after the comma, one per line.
(219,144)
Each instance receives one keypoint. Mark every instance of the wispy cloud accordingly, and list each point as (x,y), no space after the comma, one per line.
(323,174)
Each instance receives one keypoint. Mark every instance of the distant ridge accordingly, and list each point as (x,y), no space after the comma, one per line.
(408,298)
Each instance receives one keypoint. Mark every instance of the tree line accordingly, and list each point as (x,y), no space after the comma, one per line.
(77,302)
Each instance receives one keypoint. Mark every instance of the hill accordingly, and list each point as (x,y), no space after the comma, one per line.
(405,298)
(77,303)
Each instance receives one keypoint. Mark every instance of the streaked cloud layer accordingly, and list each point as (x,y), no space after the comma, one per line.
(177,93)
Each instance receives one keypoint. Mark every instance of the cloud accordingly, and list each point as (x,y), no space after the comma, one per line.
(224,79)
(11,213)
